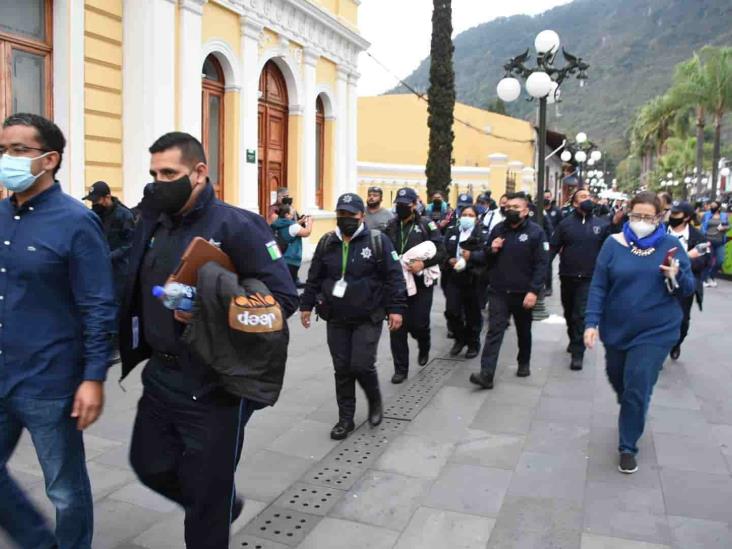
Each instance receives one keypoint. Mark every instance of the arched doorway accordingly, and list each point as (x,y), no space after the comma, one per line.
(273,118)
(212,123)
(319,151)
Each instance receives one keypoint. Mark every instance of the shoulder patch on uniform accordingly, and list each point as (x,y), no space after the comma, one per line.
(432,225)
(596,229)
(523,237)
(395,255)
(273,250)
(546,246)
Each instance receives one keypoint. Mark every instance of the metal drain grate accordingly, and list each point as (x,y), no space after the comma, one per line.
(282,525)
(408,404)
(309,499)
(334,476)
(245,541)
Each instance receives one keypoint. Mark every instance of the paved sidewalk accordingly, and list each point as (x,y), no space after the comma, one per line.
(530,464)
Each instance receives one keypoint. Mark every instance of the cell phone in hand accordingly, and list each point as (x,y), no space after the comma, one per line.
(703,248)
(669,256)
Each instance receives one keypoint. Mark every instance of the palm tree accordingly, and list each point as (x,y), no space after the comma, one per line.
(652,129)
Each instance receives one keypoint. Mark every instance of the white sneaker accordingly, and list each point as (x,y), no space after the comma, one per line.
(707,284)
(713,283)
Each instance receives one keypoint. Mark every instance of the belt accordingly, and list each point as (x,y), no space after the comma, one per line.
(167,360)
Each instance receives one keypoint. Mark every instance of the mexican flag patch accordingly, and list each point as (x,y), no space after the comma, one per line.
(395,255)
(274,250)
(432,225)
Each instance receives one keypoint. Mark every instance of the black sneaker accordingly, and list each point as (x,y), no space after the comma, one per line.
(576,363)
(341,430)
(376,413)
(472,351)
(484,381)
(423,358)
(396,379)
(457,348)
(628,464)
(523,370)
(675,352)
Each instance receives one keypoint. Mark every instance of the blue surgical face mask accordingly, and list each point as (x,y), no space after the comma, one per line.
(467,223)
(15,172)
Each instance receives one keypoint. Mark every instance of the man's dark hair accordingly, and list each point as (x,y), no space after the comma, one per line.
(283,211)
(647,197)
(519,195)
(49,135)
(666,197)
(191,150)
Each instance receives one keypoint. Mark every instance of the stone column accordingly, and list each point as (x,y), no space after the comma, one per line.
(341,133)
(352,152)
(309,148)
(190,66)
(251,33)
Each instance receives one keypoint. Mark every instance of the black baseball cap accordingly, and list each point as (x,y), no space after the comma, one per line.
(350,202)
(682,207)
(406,196)
(98,190)
(376,190)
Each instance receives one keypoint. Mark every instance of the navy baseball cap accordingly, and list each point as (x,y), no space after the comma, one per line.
(99,190)
(465,200)
(406,196)
(683,207)
(350,202)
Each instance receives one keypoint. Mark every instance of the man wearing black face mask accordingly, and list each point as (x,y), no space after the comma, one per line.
(578,240)
(355,270)
(517,260)
(188,433)
(118,223)
(407,231)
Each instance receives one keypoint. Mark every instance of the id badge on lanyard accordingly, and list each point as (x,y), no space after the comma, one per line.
(339,290)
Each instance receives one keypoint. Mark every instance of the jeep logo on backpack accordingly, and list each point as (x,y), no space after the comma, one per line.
(255,314)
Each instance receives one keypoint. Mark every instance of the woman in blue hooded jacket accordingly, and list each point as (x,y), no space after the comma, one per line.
(633,307)
(290,233)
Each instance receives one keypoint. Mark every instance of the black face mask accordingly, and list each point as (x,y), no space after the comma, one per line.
(513,217)
(586,206)
(348,225)
(503,211)
(676,221)
(404,211)
(437,203)
(547,202)
(99,209)
(714,210)
(170,196)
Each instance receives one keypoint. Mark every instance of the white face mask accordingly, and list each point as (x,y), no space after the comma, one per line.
(642,228)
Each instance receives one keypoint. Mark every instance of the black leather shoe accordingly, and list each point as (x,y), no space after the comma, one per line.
(523,370)
(484,381)
(472,352)
(341,430)
(576,363)
(676,352)
(457,348)
(237,508)
(424,358)
(396,379)
(376,413)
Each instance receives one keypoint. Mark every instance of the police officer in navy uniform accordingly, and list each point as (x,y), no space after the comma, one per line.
(518,257)
(188,434)
(357,273)
(555,216)
(578,240)
(406,231)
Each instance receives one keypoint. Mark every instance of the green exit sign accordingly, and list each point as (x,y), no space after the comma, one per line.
(251,156)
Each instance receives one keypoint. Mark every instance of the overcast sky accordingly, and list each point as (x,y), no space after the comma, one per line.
(399,32)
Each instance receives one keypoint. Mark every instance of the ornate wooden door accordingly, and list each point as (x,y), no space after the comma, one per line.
(273,118)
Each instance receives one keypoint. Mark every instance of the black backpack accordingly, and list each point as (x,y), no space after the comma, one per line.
(322,309)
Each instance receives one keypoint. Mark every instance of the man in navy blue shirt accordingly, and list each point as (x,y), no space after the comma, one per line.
(188,433)
(57,318)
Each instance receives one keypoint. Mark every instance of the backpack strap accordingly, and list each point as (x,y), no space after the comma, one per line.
(377,246)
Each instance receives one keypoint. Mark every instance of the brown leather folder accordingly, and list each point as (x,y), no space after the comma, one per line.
(199,252)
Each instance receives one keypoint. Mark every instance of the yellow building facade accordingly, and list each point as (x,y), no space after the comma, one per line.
(491,151)
(268,86)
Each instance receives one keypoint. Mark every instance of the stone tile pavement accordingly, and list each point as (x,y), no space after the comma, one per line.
(530,464)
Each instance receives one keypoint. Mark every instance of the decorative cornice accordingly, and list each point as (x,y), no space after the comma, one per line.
(193,6)
(251,28)
(342,73)
(232,5)
(296,110)
(386,168)
(310,57)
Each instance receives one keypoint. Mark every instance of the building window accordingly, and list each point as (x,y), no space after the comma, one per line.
(510,182)
(319,151)
(25,57)
(212,124)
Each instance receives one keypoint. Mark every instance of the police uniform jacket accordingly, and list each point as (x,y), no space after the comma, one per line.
(520,265)
(578,241)
(119,228)
(159,242)
(375,286)
(413,234)
(477,263)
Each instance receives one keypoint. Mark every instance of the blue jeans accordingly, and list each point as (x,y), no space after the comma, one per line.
(60,450)
(718,260)
(633,373)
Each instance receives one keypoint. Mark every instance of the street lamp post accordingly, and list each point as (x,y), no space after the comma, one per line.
(585,152)
(542,83)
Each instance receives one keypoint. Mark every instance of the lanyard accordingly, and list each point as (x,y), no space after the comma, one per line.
(345,260)
(405,240)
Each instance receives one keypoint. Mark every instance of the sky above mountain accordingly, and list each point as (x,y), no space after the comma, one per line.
(400,32)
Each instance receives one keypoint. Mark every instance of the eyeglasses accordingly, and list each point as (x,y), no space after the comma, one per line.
(19,150)
(641,217)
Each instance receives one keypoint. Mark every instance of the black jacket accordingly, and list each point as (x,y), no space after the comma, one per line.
(119,228)
(520,265)
(413,234)
(244,341)
(578,240)
(243,236)
(700,264)
(477,263)
(375,287)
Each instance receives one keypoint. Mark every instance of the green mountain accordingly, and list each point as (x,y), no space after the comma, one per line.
(632,47)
